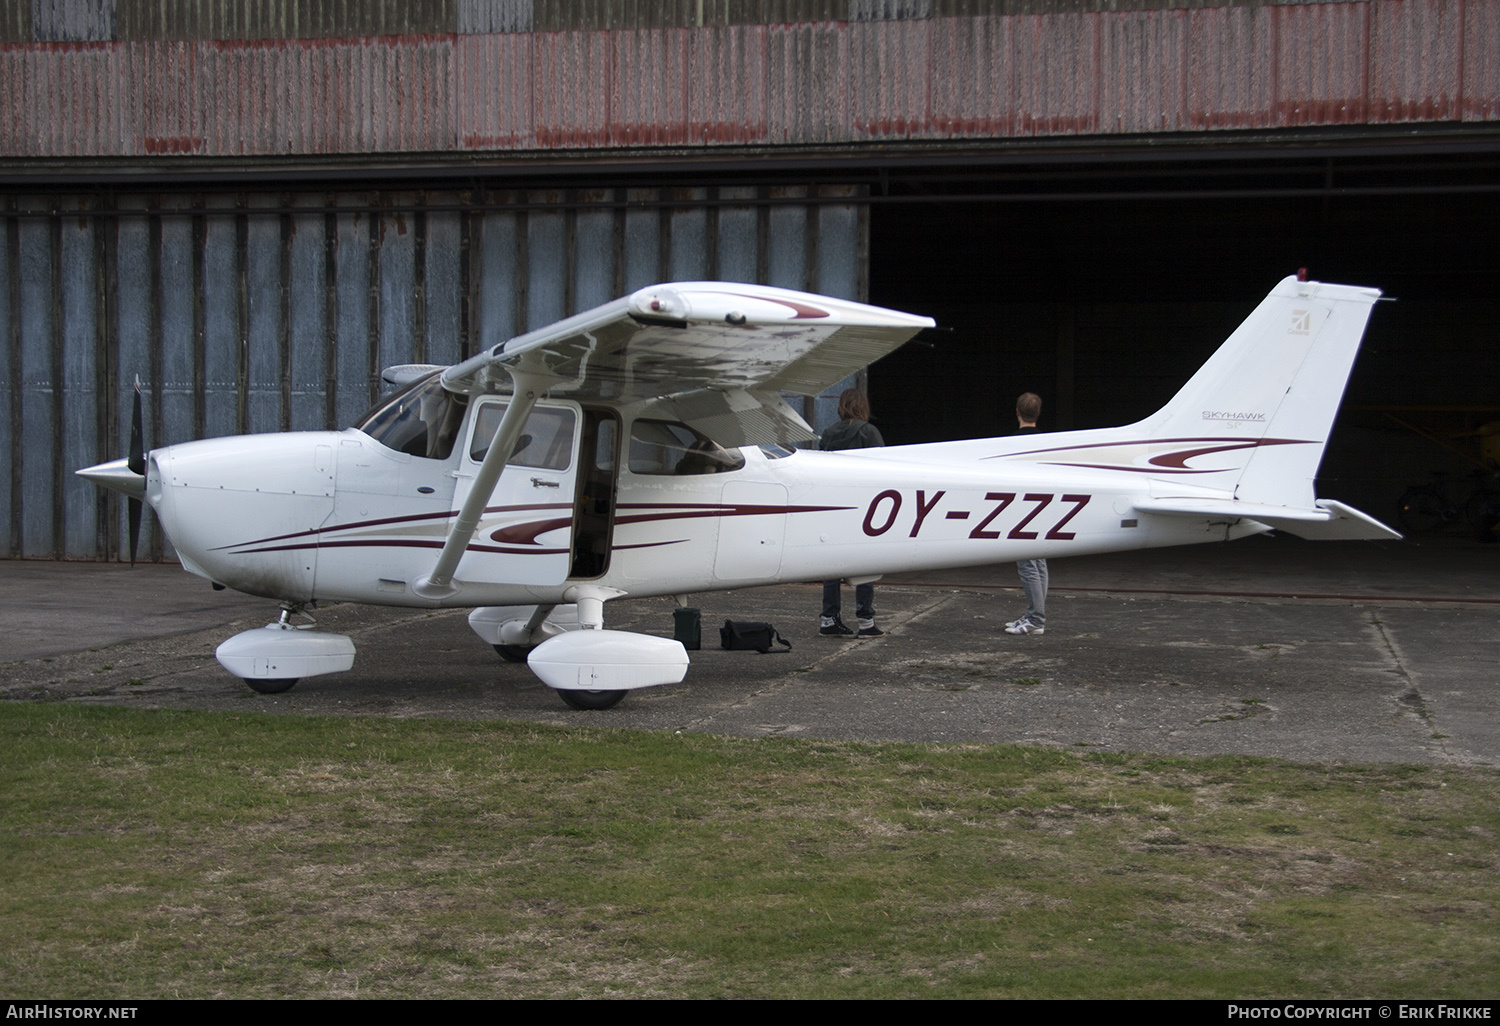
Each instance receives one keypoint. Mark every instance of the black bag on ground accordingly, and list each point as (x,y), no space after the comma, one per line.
(747,635)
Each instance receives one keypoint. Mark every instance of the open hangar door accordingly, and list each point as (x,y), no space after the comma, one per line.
(1105,304)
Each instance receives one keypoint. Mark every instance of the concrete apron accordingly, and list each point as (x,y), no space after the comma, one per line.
(1272,647)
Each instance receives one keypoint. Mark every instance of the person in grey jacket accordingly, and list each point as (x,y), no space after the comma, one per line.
(1033,572)
(853,431)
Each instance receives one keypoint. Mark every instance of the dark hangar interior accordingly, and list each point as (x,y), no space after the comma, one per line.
(256,207)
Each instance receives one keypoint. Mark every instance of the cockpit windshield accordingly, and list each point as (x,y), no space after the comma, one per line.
(422,420)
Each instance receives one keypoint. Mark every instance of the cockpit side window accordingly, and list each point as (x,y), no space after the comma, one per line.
(546,441)
(421,420)
(663,447)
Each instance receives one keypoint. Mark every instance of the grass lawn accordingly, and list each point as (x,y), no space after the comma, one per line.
(162,854)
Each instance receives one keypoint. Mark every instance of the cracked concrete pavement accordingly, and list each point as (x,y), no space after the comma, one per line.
(1268,647)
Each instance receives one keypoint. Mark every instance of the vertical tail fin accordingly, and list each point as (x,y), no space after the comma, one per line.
(1240,441)
(1271,391)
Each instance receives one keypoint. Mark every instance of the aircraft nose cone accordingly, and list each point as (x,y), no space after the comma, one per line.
(117,476)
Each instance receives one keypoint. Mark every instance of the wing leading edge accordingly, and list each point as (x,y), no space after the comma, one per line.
(715,354)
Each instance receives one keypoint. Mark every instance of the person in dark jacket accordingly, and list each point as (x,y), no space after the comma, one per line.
(853,431)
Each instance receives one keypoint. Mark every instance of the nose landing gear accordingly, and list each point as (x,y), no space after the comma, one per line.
(271,659)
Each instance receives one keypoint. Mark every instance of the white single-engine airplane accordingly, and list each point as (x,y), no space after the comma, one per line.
(638,449)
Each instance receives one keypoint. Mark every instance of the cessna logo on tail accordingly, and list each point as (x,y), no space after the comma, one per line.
(1232,415)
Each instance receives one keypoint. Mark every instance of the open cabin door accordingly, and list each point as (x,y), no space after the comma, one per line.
(598,487)
(526,533)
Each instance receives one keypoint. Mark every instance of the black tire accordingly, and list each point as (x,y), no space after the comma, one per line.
(514,653)
(1420,512)
(264,686)
(592,699)
(1481,510)
(1486,522)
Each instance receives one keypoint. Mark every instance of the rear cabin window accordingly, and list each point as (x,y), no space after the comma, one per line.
(664,447)
(546,442)
(421,420)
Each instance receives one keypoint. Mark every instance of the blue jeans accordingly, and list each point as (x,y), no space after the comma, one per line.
(1034,582)
(864,600)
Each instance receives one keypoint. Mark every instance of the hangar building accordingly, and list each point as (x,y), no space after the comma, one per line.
(254,206)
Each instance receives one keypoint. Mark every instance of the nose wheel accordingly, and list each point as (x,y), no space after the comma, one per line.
(584,700)
(273,658)
(591,699)
(514,653)
(262,686)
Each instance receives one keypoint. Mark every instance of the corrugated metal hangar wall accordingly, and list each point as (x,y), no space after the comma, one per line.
(256,204)
(263,312)
(290,78)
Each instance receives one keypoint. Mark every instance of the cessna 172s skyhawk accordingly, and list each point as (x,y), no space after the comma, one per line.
(638,449)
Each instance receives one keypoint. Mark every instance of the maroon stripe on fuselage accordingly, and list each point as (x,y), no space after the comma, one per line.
(398,544)
(1239,443)
(525,533)
(438,545)
(382,521)
(1179,458)
(693,510)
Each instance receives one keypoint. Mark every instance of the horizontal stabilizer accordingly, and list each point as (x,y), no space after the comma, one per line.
(1346,524)
(1329,520)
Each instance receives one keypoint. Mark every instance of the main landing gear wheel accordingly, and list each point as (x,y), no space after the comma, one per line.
(591,699)
(514,653)
(263,686)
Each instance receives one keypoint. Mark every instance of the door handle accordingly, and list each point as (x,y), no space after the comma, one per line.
(537,482)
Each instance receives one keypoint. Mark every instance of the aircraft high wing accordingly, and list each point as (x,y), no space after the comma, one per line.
(714,354)
(637,449)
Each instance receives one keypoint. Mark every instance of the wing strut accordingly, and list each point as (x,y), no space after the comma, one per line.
(528,386)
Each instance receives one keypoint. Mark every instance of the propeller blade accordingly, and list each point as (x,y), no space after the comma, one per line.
(137,453)
(136,461)
(133,509)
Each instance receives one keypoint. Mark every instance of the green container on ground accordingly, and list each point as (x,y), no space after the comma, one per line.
(687,627)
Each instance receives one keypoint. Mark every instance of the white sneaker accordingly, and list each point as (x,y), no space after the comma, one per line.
(1024,627)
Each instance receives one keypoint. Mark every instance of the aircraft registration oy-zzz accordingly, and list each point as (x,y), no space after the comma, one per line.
(642,449)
